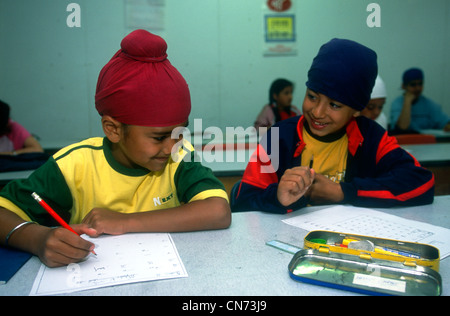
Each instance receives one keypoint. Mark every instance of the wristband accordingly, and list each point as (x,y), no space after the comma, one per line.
(16,228)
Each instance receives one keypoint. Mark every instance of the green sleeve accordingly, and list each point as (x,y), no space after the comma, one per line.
(49,183)
(192,178)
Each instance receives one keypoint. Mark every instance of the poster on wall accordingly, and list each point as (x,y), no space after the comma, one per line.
(279,28)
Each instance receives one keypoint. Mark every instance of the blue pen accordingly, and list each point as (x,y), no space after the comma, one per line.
(396,252)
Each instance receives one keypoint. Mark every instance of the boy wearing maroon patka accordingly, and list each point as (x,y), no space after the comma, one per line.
(136,179)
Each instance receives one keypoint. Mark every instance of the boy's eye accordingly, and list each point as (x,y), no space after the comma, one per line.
(311,97)
(160,139)
(334,105)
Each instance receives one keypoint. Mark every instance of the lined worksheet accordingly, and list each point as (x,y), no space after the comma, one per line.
(368,222)
(120,259)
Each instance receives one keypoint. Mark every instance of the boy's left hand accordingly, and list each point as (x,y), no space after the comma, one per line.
(324,191)
(106,221)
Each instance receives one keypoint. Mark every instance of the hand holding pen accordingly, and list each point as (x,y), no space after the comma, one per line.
(323,190)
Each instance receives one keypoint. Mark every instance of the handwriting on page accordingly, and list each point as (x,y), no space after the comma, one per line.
(120,259)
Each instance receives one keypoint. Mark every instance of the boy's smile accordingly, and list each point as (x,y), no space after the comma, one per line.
(324,115)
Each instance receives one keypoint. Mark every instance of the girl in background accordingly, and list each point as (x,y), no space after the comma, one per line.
(279,107)
(14,138)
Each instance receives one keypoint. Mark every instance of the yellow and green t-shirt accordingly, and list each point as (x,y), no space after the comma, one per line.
(85,175)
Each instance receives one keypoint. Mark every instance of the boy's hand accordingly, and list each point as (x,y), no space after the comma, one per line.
(409,97)
(59,246)
(105,221)
(324,191)
(293,184)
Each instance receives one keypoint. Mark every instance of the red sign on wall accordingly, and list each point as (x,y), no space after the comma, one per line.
(279,5)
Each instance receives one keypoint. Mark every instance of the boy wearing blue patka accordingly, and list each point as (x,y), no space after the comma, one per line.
(331,154)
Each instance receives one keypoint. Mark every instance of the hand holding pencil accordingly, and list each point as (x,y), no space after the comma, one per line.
(295,183)
(64,246)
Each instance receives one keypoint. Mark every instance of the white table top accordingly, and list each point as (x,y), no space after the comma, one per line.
(236,261)
(430,154)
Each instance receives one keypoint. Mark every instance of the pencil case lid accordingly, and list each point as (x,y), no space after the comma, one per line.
(373,277)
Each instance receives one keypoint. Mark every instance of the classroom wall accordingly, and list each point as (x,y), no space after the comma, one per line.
(48,71)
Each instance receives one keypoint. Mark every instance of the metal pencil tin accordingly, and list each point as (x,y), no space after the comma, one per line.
(324,262)
(422,254)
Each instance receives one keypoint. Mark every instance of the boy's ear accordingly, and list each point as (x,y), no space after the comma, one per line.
(112,128)
(357,113)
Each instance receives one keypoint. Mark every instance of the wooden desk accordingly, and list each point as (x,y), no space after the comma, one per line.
(236,261)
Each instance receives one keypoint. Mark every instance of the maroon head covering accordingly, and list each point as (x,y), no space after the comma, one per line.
(139,86)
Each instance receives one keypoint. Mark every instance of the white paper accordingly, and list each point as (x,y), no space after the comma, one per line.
(120,259)
(368,222)
(380,282)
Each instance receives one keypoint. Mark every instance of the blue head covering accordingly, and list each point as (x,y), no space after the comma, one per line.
(412,74)
(344,71)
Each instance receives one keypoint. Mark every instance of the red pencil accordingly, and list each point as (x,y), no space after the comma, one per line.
(54,214)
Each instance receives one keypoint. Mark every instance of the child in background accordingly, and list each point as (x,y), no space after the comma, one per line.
(374,109)
(279,107)
(332,154)
(412,111)
(133,180)
(14,138)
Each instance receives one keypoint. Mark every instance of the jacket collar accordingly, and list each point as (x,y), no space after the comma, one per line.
(355,138)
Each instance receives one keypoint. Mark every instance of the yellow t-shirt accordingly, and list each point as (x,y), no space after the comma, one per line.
(329,158)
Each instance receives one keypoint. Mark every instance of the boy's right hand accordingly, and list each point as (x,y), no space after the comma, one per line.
(293,184)
(59,246)
(409,97)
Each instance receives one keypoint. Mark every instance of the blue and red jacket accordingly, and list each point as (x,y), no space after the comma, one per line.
(379,172)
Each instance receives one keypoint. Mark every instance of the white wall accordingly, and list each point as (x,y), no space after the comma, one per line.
(48,71)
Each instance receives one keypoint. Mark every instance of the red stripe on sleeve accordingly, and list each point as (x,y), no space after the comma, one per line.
(259,171)
(384,194)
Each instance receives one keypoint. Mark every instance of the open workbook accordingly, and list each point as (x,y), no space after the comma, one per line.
(120,259)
